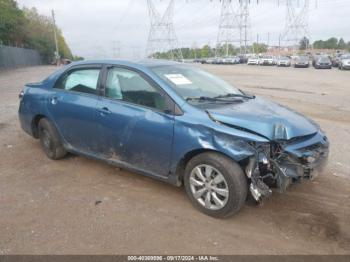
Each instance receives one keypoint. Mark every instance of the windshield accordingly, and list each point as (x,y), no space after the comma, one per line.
(303,58)
(191,82)
(324,59)
(345,57)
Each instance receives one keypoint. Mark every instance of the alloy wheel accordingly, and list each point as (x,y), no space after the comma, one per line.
(209,187)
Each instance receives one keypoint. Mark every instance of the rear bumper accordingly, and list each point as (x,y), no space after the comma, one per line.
(25,119)
(267,63)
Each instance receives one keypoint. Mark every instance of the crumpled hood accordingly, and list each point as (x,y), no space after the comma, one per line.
(266,118)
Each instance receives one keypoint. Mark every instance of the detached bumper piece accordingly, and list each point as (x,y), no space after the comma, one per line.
(285,163)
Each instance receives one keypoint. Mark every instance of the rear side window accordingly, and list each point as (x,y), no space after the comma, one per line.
(80,80)
(130,86)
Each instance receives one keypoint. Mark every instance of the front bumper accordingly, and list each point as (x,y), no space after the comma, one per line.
(267,63)
(301,65)
(303,158)
(323,66)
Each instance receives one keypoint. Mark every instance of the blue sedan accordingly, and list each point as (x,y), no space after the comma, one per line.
(178,124)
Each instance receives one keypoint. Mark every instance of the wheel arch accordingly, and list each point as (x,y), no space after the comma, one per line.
(35,124)
(181,165)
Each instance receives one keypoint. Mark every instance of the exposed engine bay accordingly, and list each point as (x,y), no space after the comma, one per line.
(281,163)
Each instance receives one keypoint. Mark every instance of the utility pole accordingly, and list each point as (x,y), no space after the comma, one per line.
(162,37)
(279,44)
(296,24)
(57,54)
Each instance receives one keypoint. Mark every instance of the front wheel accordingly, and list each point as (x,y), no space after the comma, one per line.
(215,184)
(50,140)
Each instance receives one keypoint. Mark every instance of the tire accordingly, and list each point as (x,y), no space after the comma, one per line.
(235,183)
(50,140)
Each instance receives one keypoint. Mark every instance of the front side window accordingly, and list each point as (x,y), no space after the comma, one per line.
(80,80)
(130,86)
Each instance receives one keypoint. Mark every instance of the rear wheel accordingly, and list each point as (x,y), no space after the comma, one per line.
(215,184)
(50,140)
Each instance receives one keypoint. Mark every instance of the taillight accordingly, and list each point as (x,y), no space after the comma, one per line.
(21,94)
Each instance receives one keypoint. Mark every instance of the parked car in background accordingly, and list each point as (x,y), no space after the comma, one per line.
(243,59)
(253,60)
(175,123)
(267,60)
(284,61)
(336,60)
(208,61)
(323,62)
(344,62)
(301,62)
(233,60)
(314,58)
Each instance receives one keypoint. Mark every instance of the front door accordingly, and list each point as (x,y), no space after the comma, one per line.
(135,125)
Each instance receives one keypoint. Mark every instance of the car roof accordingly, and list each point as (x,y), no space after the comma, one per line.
(132,63)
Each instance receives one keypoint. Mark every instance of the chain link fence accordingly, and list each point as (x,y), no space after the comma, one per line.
(13,57)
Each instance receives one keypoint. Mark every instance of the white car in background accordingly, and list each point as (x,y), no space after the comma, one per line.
(267,60)
(344,62)
(253,61)
(284,61)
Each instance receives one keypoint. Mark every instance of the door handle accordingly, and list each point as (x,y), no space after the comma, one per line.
(104,111)
(54,100)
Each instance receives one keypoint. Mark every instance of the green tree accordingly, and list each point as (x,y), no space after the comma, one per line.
(331,43)
(27,28)
(304,43)
(342,44)
(39,33)
(11,23)
(259,48)
(205,51)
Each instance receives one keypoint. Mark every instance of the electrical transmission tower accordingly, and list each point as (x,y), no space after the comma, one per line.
(234,26)
(297,23)
(162,37)
(229,33)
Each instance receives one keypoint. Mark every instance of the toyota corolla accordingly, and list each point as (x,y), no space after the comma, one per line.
(175,123)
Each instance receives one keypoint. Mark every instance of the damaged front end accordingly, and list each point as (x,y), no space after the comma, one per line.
(283,162)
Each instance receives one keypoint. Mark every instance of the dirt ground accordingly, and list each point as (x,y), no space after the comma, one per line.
(49,207)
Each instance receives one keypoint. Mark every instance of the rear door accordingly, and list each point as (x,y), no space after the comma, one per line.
(72,106)
(135,121)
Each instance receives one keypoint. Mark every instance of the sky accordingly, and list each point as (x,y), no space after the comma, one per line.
(99,28)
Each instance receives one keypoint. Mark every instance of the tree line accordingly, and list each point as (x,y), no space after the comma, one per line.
(207,51)
(28,29)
